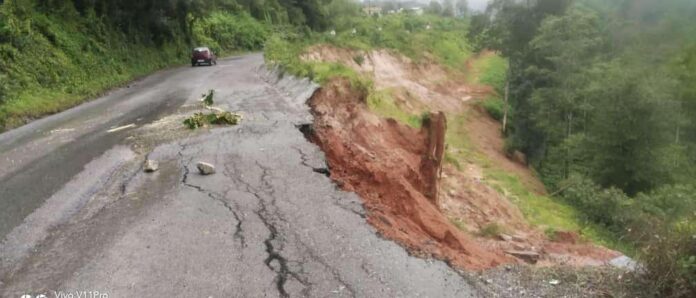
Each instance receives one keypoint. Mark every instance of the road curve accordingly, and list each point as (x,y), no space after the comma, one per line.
(77,213)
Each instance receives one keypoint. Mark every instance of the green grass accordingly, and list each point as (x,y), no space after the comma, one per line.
(495,107)
(382,103)
(542,211)
(489,69)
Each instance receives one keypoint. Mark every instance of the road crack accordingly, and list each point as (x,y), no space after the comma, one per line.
(273,252)
(238,233)
(305,162)
(268,214)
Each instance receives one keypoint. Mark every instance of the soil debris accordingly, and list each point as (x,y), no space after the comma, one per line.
(382,161)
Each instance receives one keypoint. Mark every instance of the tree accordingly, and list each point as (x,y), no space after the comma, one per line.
(566,45)
(3,89)
(448,9)
(434,7)
(462,8)
(630,126)
(342,12)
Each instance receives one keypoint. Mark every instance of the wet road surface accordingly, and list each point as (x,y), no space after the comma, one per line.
(77,213)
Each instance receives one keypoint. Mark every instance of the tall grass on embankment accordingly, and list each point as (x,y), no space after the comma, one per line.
(54,60)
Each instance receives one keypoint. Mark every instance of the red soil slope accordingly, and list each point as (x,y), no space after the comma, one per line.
(382,161)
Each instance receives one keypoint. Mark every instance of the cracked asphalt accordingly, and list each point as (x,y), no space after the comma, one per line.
(79,214)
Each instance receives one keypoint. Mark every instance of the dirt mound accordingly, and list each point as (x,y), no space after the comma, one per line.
(382,161)
(425,81)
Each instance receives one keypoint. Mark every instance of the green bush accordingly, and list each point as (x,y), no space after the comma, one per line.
(492,230)
(46,47)
(668,261)
(670,203)
(598,205)
(3,89)
(281,50)
(494,73)
(408,35)
(43,57)
(495,107)
(226,32)
(359,59)
(660,223)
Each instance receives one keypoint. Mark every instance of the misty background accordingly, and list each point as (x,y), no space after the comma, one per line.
(475,5)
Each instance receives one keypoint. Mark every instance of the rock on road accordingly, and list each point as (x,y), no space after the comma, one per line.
(78,213)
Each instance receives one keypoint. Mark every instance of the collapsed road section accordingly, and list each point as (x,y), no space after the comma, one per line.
(265,224)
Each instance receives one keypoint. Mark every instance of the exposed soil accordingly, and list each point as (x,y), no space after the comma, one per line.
(381,160)
(386,163)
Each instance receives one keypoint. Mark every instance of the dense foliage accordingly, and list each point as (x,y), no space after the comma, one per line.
(602,102)
(46,45)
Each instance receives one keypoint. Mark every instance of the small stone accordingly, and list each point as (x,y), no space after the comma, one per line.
(530,257)
(505,237)
(151,166)
(205,168)
(519,238)
(554,282)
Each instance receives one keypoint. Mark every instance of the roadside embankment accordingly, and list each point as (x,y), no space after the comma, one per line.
(438,183)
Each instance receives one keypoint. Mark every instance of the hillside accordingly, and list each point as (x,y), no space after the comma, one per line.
(57,54)
(373,118)
(405,68)
(530,142)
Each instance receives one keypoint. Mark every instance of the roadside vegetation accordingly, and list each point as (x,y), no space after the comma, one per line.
(601,102)
(217,116)
(57,54)
(416,37)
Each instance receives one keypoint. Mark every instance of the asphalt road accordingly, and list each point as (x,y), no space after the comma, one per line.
(77,213)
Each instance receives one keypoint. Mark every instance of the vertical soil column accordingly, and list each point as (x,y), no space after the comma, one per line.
(436,127)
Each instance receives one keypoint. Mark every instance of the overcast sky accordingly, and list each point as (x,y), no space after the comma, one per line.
(478,5)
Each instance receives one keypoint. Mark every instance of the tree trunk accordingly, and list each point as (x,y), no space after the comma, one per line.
(505,105)
(566,170)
